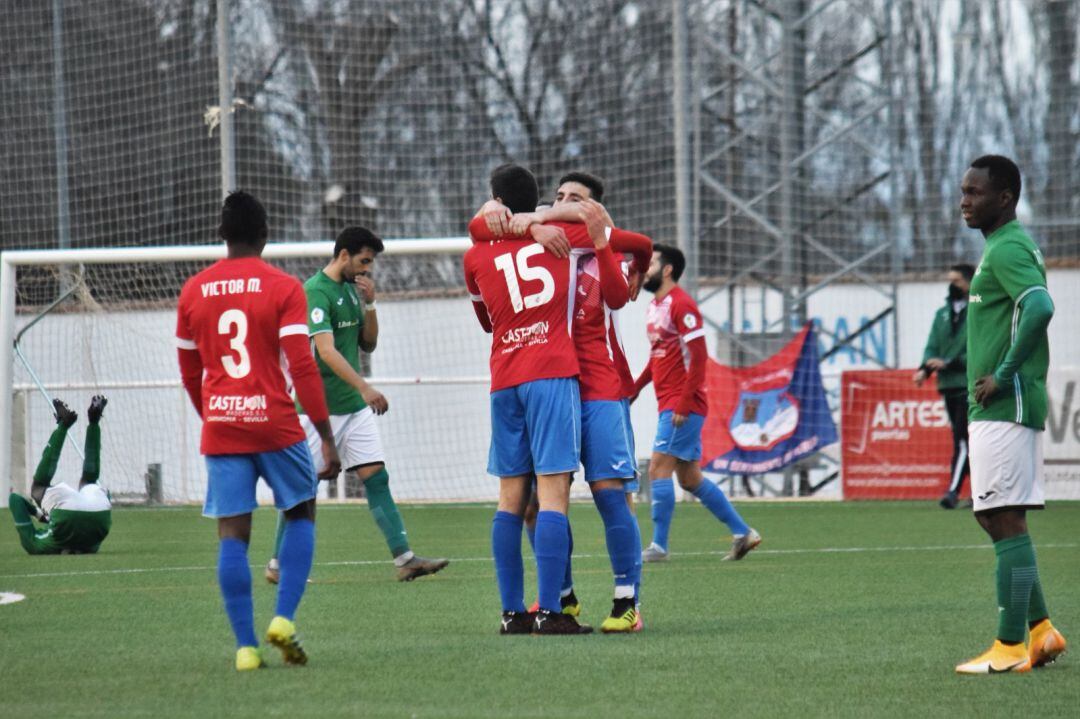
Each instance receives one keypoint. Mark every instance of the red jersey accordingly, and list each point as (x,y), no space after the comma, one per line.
(672,324)
(605,374)
(526,294)
(237,323)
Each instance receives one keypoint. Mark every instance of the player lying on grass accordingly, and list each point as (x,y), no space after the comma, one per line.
(77,521)
(342,320)
(236,322)
(607,451)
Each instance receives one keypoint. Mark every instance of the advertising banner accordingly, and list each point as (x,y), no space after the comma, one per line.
(764,417)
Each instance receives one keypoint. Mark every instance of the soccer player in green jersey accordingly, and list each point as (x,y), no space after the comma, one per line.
(1009,309)
(77,522)
(342,320)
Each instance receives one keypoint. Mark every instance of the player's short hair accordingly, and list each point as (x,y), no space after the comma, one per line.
(966,271)
(1003,172)
(594,183)
(354,239)
(243,219)
(671,255)
(516,187)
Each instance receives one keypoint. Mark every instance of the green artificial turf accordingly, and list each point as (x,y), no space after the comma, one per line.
(856,609)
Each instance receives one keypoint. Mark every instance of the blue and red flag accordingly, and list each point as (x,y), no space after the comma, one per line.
(764,417)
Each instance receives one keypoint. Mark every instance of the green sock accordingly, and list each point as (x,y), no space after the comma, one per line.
(1037,610)
(91,468)
(50,456)
(1016,575)
(385,512)
(280,534)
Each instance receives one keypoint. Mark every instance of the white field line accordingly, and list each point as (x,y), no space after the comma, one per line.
(374,562)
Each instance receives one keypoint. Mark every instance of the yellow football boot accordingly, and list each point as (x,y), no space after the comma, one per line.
(1046,645)
(999,659)
(282,634)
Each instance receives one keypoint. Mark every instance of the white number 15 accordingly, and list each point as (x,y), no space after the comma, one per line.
(507,263)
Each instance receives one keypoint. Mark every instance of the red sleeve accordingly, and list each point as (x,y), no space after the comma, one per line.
(305,376)
(479,307)
(191,366)
(293,336)
(479,232)
(613,287)
(634,244)
(643,379)
(695,375)
(191,373)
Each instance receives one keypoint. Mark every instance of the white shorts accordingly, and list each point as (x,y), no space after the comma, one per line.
(91,498)
(1006,466)
(356,437)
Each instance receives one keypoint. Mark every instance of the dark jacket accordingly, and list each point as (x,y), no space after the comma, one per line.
(948,341)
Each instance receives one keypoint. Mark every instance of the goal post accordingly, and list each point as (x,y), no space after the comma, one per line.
(449,368)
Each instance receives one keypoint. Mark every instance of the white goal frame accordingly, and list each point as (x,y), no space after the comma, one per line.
(11,259)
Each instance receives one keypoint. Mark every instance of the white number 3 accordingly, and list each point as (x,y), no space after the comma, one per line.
(228,320)
(506,264)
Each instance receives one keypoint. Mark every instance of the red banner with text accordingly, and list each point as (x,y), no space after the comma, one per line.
(896,442)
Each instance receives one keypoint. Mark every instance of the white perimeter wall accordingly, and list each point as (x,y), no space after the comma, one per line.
(436,437)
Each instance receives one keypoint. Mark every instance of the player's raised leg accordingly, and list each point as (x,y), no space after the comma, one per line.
(50,456)
(91,470)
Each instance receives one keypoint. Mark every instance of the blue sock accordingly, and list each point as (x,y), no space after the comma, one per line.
(234,577)
(663,507)
(619,532)
(530,532)
(713,498)
(509,570)
(637,558)
(297,553)
(568,578)
(552,540)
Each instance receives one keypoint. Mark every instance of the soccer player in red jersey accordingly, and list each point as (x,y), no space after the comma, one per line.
(676,368)
(605,379)
(236,320)
(521,294)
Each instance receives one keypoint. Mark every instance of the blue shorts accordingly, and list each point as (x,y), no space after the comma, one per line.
(681,442)
(607,441)
(230,489)
(536,427)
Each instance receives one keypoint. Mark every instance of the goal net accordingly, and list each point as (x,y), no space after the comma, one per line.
(113,332)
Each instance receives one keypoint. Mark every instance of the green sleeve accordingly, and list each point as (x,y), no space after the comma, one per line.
(1036,309)
(931,349)
(1017,268)
(318,305)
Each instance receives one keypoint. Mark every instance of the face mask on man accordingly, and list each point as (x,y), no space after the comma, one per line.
(956,292)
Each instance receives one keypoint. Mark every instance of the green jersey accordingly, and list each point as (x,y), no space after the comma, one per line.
(1012,267)
(336,307)
(72,531)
